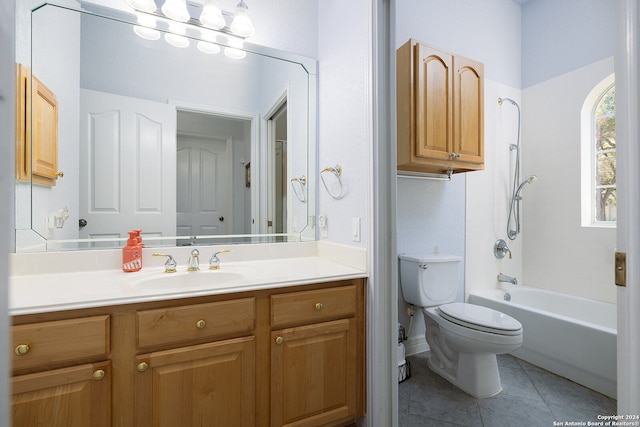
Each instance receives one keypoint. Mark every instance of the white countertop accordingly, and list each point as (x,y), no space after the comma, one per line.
(57,291)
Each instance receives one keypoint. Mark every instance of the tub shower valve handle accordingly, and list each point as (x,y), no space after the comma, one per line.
(500,249)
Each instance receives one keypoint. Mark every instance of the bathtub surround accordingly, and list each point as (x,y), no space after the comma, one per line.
(555,243)
(582,345)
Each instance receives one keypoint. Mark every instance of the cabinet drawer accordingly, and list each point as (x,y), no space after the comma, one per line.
(193,322)
(59,341)
(313,306)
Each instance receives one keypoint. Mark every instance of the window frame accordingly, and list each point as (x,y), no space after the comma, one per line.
(589,153)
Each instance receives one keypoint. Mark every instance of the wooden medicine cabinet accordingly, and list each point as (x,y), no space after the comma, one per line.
(36,130)
(440,111)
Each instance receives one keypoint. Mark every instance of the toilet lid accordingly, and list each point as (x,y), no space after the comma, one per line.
(480,318)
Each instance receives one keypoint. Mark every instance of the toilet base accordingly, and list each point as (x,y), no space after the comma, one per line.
(475,374)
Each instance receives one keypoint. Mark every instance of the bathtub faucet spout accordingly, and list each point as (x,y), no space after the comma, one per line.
(508,279)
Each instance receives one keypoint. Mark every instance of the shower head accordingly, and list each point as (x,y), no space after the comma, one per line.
(509,100)
(530,180)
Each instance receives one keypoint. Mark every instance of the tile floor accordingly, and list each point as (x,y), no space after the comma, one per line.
(530,397)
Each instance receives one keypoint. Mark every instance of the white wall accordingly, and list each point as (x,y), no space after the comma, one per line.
(465,216)
(561,36)
(344,104)
(560,254)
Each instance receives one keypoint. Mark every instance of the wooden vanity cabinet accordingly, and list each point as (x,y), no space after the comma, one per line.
(317,359)
(210,384)
(203,361)
(440,110)
(44,391)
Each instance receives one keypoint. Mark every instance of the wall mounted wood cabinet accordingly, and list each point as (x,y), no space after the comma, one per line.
(277,357)
(36,130)
(440,111)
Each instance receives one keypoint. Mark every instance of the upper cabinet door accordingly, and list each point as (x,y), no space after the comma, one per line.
(468,132)
(440,111)
(433,86)
(36,130)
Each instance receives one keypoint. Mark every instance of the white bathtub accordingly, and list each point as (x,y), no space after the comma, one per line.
(571,336)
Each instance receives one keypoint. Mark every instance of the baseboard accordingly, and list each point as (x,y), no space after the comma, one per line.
(415,345)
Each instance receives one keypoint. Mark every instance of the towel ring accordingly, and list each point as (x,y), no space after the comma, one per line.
(337,172)
(298,190)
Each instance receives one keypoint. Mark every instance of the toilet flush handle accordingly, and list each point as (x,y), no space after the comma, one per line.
(423,266)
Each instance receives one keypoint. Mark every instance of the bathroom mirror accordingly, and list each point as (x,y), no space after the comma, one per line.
(166,134)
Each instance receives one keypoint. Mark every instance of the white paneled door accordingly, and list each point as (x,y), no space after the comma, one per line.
(204,186)
(127,166)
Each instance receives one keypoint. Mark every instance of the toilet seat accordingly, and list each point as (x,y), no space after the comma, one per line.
(480,318)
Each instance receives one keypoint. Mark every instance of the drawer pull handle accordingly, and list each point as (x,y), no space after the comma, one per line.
(279,340)
(143,366)
(98,375)
(200,324)
(22,349)
(318,306)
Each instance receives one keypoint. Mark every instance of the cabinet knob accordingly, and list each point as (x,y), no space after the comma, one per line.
(21,350)
(60,175)
(142,366)
(318,306)
(200,324)
(98,375)
(279,340)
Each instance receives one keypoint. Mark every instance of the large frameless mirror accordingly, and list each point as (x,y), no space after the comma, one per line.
(162,132)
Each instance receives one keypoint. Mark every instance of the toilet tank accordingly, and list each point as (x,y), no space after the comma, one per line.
(429,279)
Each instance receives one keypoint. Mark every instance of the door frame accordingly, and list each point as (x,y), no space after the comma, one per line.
(258,205)
(269,155)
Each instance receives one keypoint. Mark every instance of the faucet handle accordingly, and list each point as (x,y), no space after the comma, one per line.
(214,261)
(170,265)
(194,262)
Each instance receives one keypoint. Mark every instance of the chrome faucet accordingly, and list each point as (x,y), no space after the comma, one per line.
(214,261)
(508,279)
(194,262)
(170,265)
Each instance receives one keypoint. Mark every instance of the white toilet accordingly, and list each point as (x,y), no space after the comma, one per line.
(464,338)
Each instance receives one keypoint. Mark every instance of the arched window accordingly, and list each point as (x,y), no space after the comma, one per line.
(599,204)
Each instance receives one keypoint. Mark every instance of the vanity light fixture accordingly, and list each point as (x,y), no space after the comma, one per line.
(175,37)
(234,51)
(207,45)
(142,5)
(242,25)
(147,26)
(211,16)
(176,10)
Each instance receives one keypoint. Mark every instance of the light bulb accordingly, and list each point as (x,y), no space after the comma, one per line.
(176,10)
(234,53)
(211,16)
(175,37)
(241,24)
(206,47)
(142,5)
(147,28)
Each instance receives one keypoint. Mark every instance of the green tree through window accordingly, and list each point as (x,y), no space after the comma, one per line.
(604,171)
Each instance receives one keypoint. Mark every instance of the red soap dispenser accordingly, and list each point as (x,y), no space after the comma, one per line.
(132,254)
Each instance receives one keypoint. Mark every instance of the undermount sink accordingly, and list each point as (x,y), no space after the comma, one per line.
(189,280)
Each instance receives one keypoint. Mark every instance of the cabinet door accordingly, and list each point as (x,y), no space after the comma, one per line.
(79,396)
(313,374)
(468,132)
(208,385)
(433,86)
